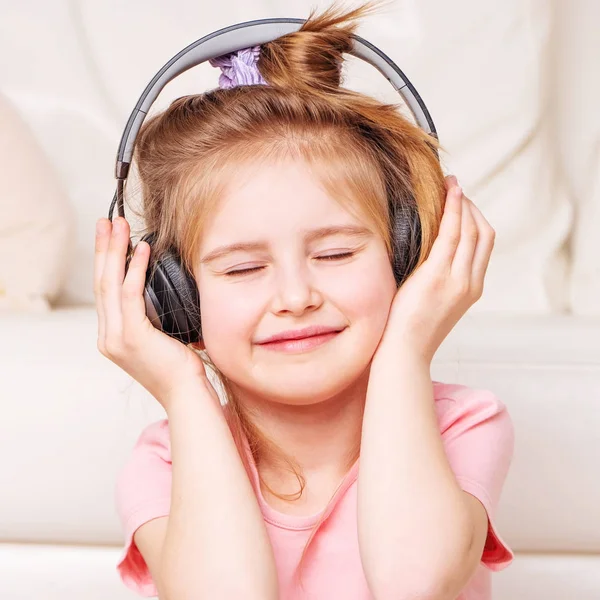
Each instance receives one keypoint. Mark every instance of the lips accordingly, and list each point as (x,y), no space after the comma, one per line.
(300,334)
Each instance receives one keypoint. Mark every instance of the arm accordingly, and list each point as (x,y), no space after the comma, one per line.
(215,542)
(215,545)
(420,535)
(415,524)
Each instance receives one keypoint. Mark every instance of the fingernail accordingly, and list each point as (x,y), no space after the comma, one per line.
(117,226)
(100,226)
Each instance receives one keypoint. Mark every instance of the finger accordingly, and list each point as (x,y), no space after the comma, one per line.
(112,277)
(450,181)
(462,263)
(444,246)
(100,250)
(133,305)
(483,251)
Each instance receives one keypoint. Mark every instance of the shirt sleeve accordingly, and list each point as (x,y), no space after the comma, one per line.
(478,438)
(143,493)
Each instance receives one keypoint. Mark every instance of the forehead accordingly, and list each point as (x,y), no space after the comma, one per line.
(275,198)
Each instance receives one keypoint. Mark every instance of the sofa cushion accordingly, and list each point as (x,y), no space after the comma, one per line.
(481,71)
(578,95)
(74,417)
(52,572)
(36,219)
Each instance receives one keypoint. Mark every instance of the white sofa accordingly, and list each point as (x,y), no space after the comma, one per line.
(70,417)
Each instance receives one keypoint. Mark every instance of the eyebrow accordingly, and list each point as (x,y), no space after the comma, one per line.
(310,236)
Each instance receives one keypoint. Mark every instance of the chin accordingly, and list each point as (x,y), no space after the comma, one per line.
(302,389)
(300,397)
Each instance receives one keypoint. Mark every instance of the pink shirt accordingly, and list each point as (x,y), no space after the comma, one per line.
(478,439)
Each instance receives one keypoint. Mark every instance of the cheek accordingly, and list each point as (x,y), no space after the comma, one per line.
(367,292)
(227,318)
(372,304)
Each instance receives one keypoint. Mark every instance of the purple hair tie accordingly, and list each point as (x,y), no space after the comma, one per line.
(239,68)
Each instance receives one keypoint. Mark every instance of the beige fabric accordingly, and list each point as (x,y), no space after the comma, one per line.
(578,94)
(480,69)
(36,220)
(75,422)
(81,410)
(87,572)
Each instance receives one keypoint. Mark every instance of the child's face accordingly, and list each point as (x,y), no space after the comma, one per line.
(292,287)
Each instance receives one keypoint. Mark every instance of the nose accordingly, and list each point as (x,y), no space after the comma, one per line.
(295,291)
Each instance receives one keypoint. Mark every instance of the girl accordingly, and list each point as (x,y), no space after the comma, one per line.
(277,191)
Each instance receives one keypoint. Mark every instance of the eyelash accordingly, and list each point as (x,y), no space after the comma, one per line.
(339,256)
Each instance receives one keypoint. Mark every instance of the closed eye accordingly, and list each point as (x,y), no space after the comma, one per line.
(327,257)
(335,256)
(243,271)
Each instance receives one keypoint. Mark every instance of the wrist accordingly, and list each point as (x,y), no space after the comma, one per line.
(402,353)
(186,393)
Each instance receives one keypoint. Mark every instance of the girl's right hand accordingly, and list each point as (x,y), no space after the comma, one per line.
(160,363)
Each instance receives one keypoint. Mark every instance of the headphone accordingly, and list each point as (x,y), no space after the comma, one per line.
(171,295)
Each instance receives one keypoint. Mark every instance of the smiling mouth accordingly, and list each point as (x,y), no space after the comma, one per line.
(301,344)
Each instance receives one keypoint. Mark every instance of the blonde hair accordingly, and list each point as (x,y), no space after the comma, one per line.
(366,154)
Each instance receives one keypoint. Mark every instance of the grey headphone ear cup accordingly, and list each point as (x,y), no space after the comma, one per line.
(406,242)
(171,298)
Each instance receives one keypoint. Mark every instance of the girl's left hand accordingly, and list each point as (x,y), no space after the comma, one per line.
(440,291)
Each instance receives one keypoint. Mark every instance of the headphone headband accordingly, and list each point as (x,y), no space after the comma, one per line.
(244,35)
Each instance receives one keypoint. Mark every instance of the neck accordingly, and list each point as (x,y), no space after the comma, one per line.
(322,438)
